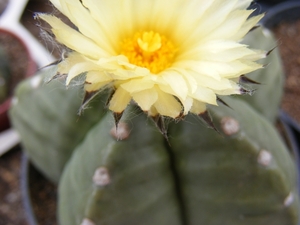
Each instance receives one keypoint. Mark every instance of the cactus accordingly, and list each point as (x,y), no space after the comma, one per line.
(50,127)
(133,174)
(244,175)
(267,97)
(238,177)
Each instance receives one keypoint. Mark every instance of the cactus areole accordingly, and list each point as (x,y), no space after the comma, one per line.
(140,154)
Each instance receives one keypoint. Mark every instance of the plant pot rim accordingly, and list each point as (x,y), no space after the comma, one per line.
(292,129)
(25,192)
(31,69)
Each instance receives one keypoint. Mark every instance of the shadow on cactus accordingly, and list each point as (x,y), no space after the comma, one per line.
(140,153)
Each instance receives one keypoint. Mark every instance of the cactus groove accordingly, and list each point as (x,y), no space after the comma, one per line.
(177,183)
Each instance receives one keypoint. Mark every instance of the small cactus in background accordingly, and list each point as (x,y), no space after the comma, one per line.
(120,166)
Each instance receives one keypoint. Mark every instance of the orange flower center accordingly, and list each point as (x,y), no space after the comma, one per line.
(150,50)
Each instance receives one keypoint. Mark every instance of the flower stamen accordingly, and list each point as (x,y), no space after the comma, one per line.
(150,41)
(150,50)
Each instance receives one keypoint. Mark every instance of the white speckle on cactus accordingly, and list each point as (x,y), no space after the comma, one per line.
(87,222)
(264,157)
(35,81)
(101,177)
(230,126)
(121,132)
(289,200)
(14,101)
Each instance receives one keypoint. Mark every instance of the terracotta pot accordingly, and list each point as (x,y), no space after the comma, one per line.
(27,72)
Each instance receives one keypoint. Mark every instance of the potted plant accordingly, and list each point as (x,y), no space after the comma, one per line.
(16,65)
(16,56)
(120,166)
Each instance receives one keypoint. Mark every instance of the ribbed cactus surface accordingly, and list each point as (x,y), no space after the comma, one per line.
(46,117)
(242,175)
(124,182)
(267,95)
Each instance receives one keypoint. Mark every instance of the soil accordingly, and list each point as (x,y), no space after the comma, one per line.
(45,193)
(11,209)
(288,35)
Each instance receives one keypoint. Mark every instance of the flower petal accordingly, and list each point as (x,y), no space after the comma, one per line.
(217,12)
(97,76)
(176,83)
(243,4)
(235,89)
(85,23)
(240,67)
(204,36)
(71,38)
(205,95)
(80,68)
(95,86)
(189,79)
(119,101)
(198,107)
(211,83)
(72,59)
(201,67)
(247,26)
(108,16)
(167,105)
(187,105)
(145,99)
(57,5)
(230,26)
(137,85)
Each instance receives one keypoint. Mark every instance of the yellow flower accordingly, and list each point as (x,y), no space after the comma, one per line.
(170,57)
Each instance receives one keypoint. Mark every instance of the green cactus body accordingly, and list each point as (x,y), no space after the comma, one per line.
(46,117)
(244,175)
(267,96)
(139,185)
